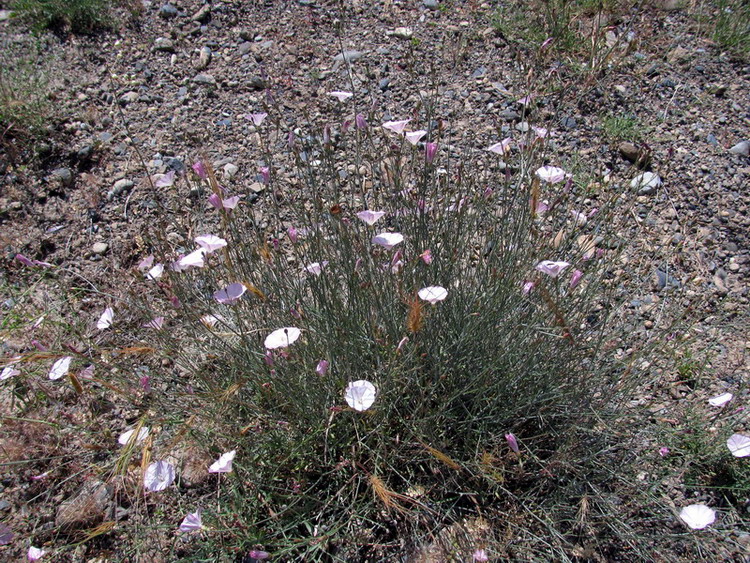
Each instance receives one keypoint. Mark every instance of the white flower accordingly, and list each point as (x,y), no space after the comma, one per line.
(192,522)
(210,243)
(739,445)
(697,516)
(35,553)
(8,372)
(60,368)
(370,217)
(551,174)
(388,240)
(360,395)
(159,475)
(223,464)
(282,337)
(432,294)
(396,126)
(414,136)
(551,268)
(341,96)
(105,321)
(155,272)
(125,436)
(720,400)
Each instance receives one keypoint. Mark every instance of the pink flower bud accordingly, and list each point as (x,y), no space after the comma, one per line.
(200,170)
(292,234)
(512,442)
(322,367)
(265,173)
(430,150)
(360,122)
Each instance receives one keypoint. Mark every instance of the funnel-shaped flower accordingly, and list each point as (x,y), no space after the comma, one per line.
(551,174)
(739,445)
(697,516)
(340,96)
(105,321)
(396,126)
(360,395)
(388,240)
(282,337)
(370,217)
(224,463)
(210,243)
(159,475)
(433,294)
(415,136)
(551,268)
(192,522)
(230,294)
(60,368)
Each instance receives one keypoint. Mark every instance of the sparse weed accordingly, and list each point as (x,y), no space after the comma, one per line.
(622,127)
(80,16)
(732,26)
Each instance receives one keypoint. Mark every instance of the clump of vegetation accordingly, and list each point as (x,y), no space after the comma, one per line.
(622,127)
(732,26)
(80,16)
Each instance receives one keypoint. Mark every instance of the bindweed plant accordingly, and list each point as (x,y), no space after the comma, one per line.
(397,333)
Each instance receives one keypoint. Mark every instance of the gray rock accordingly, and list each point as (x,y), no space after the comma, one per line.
(741,148)
(245,47)
(256,83)
(403,33)
(568,122)
(202,15)
(128,98)
(64,176)
(257,187)
(122,185)
(167,11)
(247,34)
(384,84)
(523,126)
(348,56)
(646,183)
(100,248)
(430,4)
(205,79)
(85,153)
(204,59)
(89,507)
(509,115)
(163,44)
(5,15)
(230,170)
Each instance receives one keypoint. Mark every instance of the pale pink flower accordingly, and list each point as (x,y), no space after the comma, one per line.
(155,273)
(316,267)
(527,287)
(541,207)
(256,118)
(433,294)
(60,368)
(8,372)
(503,147)
(193,260)
(480,555)
(28,262)
(540,132)
(697,516)
(370,217)
(230,294)
(580,218)
(739,445)
(292,234)
(415,136)
(664,451)
(526,100)
(403,342)
(322,367)
(551,268)
(720,400)
(426,257)
(146,263)
(192,522)
(105,321)
(210,321)
(388,240)
(258,555)
(396,126)
(163,180)
(551,174)
(223,464)
(282,337)
(341,96)
(35,553)
(210,243)
(159,475)
(127,436)
(360,395)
